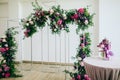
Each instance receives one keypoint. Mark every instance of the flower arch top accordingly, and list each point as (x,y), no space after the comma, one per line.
(57,18)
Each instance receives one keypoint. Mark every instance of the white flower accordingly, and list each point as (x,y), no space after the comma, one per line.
(27,24)
(30,19)
(4,40)
(6,45)
(55,29)
(57,13)
(31,22)
(86,22)
(51,11)
(79,58)
(82,63)
(64,16)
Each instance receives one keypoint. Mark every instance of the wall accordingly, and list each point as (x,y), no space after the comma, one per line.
(53,52)
(110,22)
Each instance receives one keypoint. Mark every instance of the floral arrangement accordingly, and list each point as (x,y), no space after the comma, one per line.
(83,51)
(8,49)
(105,47)
(83,19)
(57,18)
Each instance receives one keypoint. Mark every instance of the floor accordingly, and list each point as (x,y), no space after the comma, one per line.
(41,72)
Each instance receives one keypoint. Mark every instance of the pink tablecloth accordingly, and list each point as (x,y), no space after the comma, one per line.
(99,69)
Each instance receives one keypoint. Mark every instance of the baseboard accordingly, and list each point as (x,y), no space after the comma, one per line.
(46,63)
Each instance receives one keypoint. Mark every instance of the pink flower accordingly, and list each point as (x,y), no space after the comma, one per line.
(79,77)
(7,48)
(81,10)
(82,45)
(6,68)
(4,65)
(59,22)
(73,78)
(0,69)
(26,33)
(2,50)
(86,76)
(7,75)
(75,16)
(3,74)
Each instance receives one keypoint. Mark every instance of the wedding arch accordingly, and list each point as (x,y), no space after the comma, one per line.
(59,19)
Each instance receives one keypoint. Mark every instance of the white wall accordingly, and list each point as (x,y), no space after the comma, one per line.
(22,8)
(110,23)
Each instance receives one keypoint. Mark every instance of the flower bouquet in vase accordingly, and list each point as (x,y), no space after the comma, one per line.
(105,47)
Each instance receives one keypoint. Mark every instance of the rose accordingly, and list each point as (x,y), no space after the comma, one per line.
(0,69)
(59,22)
(82,45)
(79,77)
(75,16)
(26,32)
(6,68)
(2,50)
(81,10)
(7,75)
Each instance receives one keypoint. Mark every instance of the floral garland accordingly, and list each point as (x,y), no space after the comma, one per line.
(105,45)
(83,51)
(83,19)
(8,48)
(57,18)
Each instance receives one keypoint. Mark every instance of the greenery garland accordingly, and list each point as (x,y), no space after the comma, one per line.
(82,52)
(57,18)
(8,48)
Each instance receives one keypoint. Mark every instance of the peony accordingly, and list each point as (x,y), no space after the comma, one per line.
(7,48)
(26,33)
(2,50)
(59,22)
(82,45)
(6,68)
(0,69)
(7,75)
(75,16)
(81,10)
(79,77)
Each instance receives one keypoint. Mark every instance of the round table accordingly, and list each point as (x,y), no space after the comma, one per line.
(99,69)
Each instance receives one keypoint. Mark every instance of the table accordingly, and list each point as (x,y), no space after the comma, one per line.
(99,69)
